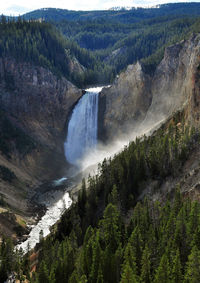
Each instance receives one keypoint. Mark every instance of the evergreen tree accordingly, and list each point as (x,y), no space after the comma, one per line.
(128,275)
(146,266)
(137,244)
(163,271)
(43,274)
(95,268)
(110,226)
(100,275)
(177,276)
(192,274)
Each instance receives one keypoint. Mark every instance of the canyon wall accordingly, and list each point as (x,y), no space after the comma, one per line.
(39,100)
(35,106)
(137,101)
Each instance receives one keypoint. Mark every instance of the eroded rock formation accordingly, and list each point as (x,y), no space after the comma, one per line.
(37,104)
(136,100)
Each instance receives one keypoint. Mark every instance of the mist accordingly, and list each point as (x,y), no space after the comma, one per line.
(82,148)
(91,159)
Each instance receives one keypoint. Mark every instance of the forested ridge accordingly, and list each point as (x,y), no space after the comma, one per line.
(43,45)
(103,48)
(122,15)
(119,38)
(118,44)
(108,236)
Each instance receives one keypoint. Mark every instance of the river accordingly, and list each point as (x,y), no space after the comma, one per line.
(81,140)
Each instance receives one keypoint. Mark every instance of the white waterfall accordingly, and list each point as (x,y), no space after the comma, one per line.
(82,129)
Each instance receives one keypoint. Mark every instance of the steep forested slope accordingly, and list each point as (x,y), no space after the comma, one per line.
(109,230)
(160,244)
(43,45)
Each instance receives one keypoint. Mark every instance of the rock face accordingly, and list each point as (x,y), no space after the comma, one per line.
(141,101)
(173,81)
(125,103)
(39,104)
(40,101)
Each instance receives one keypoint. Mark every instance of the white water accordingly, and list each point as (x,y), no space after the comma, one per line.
(82,129)
(53,213)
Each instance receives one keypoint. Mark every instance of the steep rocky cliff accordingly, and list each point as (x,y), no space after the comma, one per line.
(174,81)
(136,100)
(125,103)
(40,101)
(34,109)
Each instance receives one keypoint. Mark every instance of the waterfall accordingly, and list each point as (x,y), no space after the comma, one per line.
(82,129)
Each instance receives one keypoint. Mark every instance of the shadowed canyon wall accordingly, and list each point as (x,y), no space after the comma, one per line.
(35,105)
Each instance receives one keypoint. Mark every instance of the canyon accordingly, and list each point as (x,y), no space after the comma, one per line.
(39,104)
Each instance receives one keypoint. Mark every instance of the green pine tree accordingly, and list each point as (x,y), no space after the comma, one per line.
(128,275)
(163,271)
(192,274)
(146,266)
(177,276)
